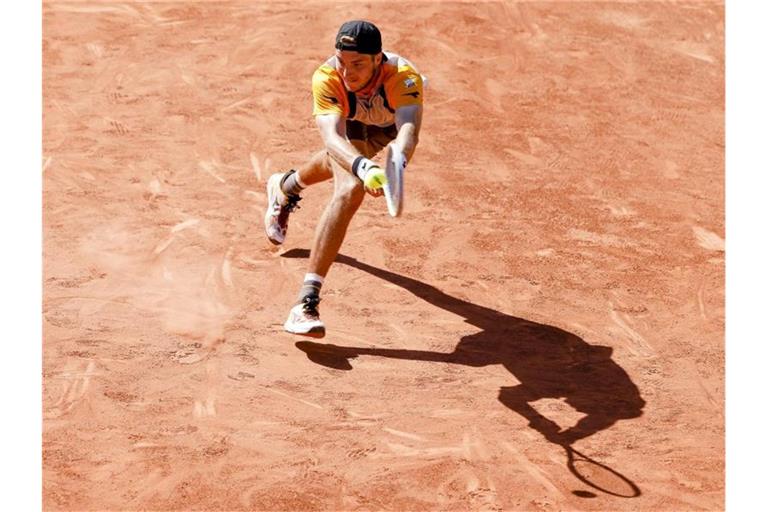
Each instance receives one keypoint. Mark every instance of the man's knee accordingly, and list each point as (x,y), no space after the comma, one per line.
(349,193)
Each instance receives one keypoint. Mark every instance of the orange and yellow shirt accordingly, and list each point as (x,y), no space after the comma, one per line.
(398,84)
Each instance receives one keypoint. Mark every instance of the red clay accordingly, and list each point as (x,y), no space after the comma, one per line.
(555,282)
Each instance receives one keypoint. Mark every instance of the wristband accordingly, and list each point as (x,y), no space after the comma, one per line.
(361,166)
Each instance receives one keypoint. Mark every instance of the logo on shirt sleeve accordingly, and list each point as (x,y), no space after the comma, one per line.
(415,94)
(331,99)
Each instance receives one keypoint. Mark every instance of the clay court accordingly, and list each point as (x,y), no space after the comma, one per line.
(542,329)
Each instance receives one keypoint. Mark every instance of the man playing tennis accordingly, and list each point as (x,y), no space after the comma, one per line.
(364,101)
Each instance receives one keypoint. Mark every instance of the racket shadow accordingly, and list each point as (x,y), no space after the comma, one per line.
(547,361)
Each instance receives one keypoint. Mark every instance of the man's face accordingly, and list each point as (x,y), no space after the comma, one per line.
(356,69)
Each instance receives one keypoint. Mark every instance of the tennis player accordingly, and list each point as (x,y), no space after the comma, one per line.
(365,99)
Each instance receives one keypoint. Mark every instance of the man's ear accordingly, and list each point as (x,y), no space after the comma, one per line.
(378,58)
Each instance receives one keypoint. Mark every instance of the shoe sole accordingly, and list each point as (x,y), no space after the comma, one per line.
(267,216)
(314,332)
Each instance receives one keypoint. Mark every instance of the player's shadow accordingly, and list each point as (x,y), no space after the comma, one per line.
(547,361)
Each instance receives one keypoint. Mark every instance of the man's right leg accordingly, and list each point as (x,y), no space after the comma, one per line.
(283,193)
(348,195)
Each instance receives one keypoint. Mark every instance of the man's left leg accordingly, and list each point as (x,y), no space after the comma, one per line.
(348,195)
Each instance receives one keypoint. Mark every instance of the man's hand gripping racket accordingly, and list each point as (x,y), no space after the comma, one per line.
(371,174)
(388,181)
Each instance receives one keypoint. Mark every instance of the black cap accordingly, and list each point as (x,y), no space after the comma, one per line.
(359,36)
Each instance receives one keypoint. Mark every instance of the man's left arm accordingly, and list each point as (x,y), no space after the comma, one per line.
(408,122)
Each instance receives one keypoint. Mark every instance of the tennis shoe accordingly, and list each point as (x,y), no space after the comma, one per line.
(304,318)
(279,207)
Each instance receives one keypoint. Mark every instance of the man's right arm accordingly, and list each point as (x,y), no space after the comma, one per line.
(333,130)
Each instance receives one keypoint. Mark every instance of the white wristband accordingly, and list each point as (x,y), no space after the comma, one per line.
(361,166)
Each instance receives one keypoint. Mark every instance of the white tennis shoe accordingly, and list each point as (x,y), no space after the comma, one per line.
(304,318)
(279,207)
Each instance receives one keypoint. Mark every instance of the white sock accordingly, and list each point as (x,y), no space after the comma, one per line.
(314,277)
(311,286)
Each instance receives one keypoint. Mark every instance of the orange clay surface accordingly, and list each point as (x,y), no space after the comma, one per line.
(554,286)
